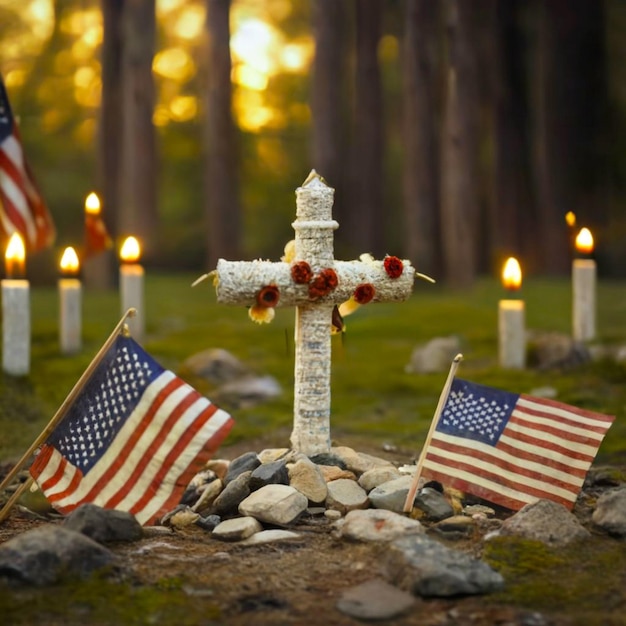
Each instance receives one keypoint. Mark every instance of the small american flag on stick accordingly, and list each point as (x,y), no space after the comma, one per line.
(131,440)
(513,449)
(22,208)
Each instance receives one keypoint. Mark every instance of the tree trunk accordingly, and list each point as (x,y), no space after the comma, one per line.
(137,210)
(367,212)
(329,100)
(421,136)
(223,210)
(514,220)
(459,191)
(99,270)
(573,102)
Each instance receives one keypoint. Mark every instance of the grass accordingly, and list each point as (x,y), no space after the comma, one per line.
(372,395)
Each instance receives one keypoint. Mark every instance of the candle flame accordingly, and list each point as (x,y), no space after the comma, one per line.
(15,255)
(570,219)
(92,204)
(130,251)
(584,241)
(69,262)
(512,274)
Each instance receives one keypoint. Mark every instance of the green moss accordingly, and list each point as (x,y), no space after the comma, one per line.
(583,580)
(98,601)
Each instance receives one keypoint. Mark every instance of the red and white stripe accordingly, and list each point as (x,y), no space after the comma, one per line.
(171,432)
(545,451)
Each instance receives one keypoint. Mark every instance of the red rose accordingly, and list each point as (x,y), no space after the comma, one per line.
(393,266)
(323,283)
(268,296)
(301,273)
(364,293)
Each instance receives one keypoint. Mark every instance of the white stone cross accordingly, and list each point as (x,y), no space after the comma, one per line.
(314,282)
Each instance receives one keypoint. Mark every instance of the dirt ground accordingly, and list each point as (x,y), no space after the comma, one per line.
(201,580)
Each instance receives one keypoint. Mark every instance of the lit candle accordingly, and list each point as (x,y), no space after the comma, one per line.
(70,303)
(131,286)
(511,323)
(15,310)
(584,289)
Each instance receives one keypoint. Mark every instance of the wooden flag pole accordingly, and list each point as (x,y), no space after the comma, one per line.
(443,398)
(78,387)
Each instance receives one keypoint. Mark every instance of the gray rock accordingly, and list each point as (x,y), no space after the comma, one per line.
(328,458)
(392,494)
(47,554)
(610,512)
(247,462)
(377,476)
(376,525)
(103,525)
(359,462)
(209,522)
(433,504)
(248,391)
(556,350)
(425,567)
(215,365)
(237,528)
(375,600)
(434,356)
(269,536)
(274,473)
(545,521)
(345,495)
(274,504)
(229,499)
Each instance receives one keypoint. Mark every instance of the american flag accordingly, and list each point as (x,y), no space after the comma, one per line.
(513,449)
(22,209)
(132,440)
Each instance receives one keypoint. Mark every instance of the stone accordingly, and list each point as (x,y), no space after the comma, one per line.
(248,391)
(45,555)
(328,458)
(392,494)
(376,525)
(455,527)
(268,474)
(375,600)
(237,528)
(209,522)
(554,350)
(425,567)
(307,478)
(345,495)
(270,536)
(104,525)
(377,476)
(610,512)
(333,472)
(227,502)
(208,495)
(545,521)
(246,462)
(274,504)
(359,462)
(433,504)
(215,365)
(274,454)
(434,356)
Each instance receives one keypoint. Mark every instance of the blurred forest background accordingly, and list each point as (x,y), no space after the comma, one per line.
(455,133)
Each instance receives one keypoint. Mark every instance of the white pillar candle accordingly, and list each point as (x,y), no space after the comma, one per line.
(70,315)
(16,327)
(512,334)
(584,299)
(132,296)
(70,303)
(15,311)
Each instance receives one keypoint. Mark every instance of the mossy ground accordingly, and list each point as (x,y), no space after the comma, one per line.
(373,401)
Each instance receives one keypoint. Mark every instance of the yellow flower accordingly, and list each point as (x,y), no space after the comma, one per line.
(261,314)
(290,252)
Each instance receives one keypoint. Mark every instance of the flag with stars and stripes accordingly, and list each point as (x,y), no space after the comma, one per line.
(513,449)
(132,440)
(22,208)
